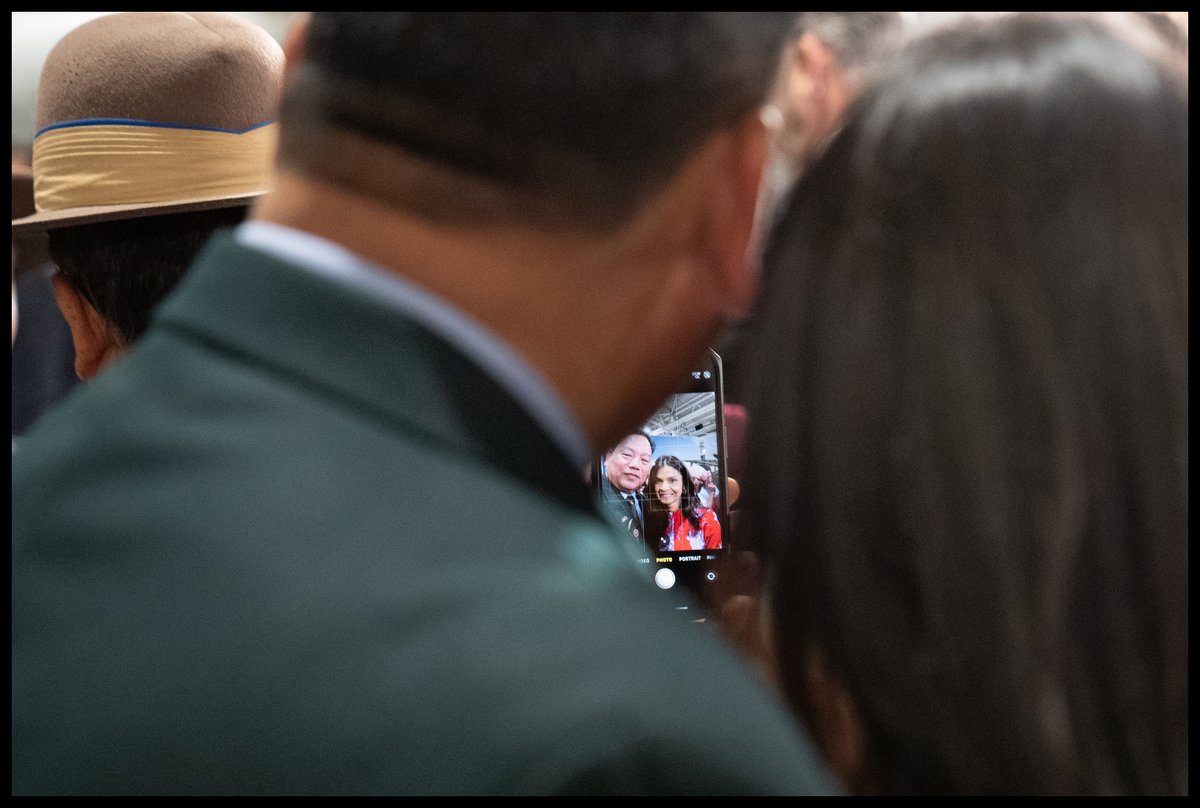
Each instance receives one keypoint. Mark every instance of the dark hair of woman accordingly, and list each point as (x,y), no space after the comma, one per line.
(973,478)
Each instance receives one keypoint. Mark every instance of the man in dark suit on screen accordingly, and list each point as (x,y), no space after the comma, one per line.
(626,468)
(323,530)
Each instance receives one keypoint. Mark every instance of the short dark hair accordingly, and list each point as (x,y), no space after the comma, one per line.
(561,118)
(973,480)
(649,438)
(125,268)
(640,432)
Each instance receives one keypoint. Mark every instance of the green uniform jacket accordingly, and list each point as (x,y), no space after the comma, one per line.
(296,544)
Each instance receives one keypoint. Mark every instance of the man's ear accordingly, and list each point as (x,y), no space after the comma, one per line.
(731,207)
(826,94)
(95,342)
(814,60)
(295,46)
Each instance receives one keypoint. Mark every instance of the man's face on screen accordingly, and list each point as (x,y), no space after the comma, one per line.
(628,465)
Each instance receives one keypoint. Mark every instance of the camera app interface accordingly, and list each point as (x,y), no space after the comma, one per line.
(662,484)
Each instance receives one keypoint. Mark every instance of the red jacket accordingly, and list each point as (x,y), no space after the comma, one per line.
(683,537)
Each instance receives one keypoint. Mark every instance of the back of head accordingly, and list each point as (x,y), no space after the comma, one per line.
(975,478)
(124,268)
(551,118)
(145,113)
(154,130)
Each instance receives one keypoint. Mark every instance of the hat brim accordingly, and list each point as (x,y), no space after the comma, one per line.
(71,217)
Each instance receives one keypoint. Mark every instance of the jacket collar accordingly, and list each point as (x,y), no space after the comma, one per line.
(364,355)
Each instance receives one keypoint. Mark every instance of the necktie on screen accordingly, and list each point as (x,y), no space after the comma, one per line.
(635,514)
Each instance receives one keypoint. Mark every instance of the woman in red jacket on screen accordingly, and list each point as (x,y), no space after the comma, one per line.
(675,516)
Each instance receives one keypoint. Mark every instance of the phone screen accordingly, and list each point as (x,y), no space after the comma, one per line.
(665,484)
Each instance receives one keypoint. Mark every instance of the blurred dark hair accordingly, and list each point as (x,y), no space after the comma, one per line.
(557,118)
(647,436)
(641,432)
(125,268)
(973,475)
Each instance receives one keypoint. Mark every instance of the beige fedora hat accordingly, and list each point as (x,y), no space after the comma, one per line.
(147,113)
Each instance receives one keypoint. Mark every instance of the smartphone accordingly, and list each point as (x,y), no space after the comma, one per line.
(666,484)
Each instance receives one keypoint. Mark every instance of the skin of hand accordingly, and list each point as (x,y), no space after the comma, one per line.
(739,604)
(741,609)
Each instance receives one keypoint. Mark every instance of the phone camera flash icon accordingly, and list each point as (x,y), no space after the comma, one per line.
(708,374)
